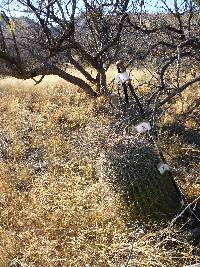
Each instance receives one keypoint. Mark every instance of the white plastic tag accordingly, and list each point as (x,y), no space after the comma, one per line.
(124,76)
(163,167)
(143,127)
(117,79)
(182,202)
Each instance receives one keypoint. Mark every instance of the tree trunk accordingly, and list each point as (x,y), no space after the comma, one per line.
(76,81)
(103,84)
(101,81)
(48,69)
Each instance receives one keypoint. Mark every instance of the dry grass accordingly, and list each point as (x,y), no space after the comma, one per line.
(55,209)
(182,139)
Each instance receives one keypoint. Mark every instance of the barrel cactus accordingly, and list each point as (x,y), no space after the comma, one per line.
(130,165)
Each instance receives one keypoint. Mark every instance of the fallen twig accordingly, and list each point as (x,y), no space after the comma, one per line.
(182,212)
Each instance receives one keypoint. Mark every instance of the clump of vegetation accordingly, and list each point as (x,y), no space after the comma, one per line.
(130,164)
(56,210)
(64,157)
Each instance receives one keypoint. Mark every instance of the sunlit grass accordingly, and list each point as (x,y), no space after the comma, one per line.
(56,210)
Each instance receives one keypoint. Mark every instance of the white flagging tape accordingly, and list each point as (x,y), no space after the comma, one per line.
(121,77)
(143,127)
(124,76)
(163,167)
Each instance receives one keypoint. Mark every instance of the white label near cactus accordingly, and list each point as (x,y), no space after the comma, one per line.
(143,127)
(163,167)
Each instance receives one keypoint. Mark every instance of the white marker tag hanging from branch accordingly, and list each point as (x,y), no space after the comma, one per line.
(163,167)
(117,79)
(143,127)
(124,76)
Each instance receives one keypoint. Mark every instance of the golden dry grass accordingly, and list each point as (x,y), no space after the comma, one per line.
(182,117)
(55,209)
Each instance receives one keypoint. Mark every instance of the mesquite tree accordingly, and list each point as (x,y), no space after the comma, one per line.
(53,36)
(62,34)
